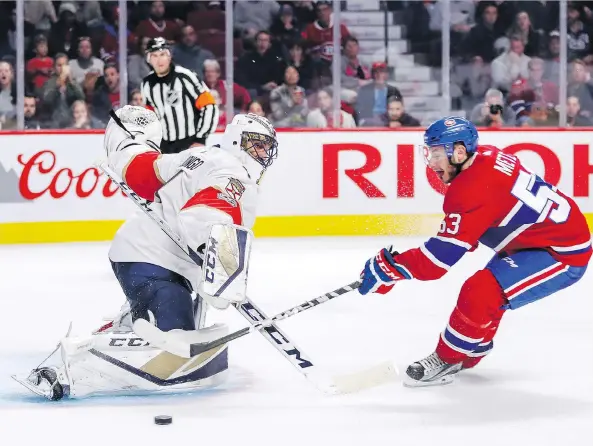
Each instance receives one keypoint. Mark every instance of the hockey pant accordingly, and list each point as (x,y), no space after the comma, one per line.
(166,294)
(508,282)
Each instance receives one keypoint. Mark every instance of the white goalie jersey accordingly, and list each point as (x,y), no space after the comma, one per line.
(191,191)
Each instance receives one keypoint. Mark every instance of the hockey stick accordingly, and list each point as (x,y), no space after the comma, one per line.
(201,347)
(371,377)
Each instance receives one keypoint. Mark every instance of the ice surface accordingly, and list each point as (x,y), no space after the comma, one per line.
(536,388)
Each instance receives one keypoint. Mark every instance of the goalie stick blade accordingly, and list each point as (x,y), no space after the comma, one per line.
(372,377)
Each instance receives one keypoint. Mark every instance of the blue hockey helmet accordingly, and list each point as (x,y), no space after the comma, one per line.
(448,131)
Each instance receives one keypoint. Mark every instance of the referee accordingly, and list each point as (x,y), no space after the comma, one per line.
(186,108)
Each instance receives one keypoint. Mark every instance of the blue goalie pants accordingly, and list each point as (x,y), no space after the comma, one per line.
(166,294)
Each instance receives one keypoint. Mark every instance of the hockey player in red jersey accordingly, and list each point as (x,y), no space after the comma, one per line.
(541,241)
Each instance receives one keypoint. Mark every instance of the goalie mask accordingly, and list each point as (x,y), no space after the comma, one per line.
(131,122)
(251,138)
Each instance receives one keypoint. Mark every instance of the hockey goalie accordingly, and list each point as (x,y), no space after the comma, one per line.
(192,192)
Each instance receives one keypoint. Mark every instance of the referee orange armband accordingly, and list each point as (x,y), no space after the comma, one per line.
(205,99)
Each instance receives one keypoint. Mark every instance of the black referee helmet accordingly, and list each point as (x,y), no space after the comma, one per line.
(156,44)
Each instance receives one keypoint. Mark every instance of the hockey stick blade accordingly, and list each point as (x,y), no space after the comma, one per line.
(201,347)
(372,377)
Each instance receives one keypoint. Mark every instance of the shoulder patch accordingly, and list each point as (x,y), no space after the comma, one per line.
(235,189)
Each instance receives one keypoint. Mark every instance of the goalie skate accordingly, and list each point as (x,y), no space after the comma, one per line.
(44,382)
(431,371)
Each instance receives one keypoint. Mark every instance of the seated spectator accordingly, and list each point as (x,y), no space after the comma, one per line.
(256,108)
(354,74)
(511,65)
(395,117)
(581,86)
(318,36)
(579,44)
(286,28)
(543,90)
(8,35)
(544,15)
(532,40)
(372,98)
(303,63)
(65,34)
(157,25)
(469,82)
(304,12)
(462,20)
(189,54)
(573,113)
(261,70)
(213,81)
(7,95)
(136,98)
(90,14)
(106,95)
(288,103)
(85,62)
(323,115)
(138,68)
(60,92)
(492,112)
(251,17)
(40,14)
(81,118)
(552,70)
(110,37)
(540,115)
(30,112)
(480,39)
(39,68)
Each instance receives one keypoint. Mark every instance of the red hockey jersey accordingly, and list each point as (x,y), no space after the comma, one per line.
(321,40)
(501,204)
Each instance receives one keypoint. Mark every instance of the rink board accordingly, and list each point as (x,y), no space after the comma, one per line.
(364,182)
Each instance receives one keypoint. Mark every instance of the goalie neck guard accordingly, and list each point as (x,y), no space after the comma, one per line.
(251,139)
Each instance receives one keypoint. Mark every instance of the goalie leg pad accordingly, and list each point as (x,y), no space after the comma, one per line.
(164,293)
(114,363)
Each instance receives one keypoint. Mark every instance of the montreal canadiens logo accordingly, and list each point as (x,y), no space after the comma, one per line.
(449,122)
(426,153)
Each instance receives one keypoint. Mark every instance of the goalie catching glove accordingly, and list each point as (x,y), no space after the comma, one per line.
(381,272)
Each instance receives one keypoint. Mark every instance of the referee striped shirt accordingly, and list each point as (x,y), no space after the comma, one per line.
(183,103)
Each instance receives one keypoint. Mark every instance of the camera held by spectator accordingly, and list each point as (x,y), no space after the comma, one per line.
(492,112)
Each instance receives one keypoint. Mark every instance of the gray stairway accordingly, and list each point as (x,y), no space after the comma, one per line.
(420,84)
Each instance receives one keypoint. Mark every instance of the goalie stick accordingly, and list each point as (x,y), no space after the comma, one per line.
(354,382)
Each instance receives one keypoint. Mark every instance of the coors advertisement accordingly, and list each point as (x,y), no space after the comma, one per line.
(53,178)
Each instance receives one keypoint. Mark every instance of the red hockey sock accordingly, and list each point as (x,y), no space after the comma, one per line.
(474,320)
(484,348)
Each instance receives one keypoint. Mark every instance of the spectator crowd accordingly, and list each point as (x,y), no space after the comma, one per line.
(504,58)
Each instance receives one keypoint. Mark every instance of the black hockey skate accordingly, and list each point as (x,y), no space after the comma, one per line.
(44,382)
(431,371)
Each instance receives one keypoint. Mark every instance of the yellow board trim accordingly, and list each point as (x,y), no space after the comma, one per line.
(283,226)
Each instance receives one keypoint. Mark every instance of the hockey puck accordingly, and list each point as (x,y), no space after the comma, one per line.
(163,419)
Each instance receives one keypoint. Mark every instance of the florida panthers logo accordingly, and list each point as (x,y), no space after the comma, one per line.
(235,189)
